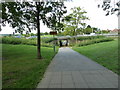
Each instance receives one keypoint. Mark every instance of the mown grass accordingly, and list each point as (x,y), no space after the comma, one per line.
(0,74)
(105,53)
(21,68)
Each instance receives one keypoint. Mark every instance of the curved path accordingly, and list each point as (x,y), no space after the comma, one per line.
(69,69)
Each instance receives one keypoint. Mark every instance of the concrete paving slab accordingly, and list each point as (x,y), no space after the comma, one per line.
(70,69)
(67,79)
(68,85)
(55,86)
(81,85)
(56,80)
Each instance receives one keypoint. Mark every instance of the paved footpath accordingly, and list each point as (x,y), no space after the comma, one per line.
(70,69)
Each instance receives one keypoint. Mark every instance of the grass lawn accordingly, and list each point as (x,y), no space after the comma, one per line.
(0,66)
(21,68)
(105,53)
(47,36)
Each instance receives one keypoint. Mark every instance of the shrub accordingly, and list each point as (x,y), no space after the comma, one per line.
(11,40)
(89,37)
(46,45)
(48,40)
(93,41)
(32,41)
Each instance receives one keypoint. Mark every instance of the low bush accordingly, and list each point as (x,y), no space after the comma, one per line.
(46,45)
(48,40)
(12,40)
(89,37)
(93,41)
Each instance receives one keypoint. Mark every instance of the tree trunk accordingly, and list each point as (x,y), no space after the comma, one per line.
(75,36)
(119,18)
(38,32)
(74,32)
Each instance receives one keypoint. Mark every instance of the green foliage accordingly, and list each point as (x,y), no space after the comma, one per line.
(16,14)
(46,33)
(69,30)
(21,68)
(32,41)
(90,29)
(56,17)
(26,16)
(89,37)
(27,35)
(99,32)
(12,40)
(47,36)
(93,41)
(87,30)
(74,20)
(32,34)
(41,34)
(105,53)
(48,40)
(109,8)
(105,31)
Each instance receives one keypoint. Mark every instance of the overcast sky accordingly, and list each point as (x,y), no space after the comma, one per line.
(96,15)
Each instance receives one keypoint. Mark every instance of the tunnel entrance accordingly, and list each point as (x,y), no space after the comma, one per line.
(63,43)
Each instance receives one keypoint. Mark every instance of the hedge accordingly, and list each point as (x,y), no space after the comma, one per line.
(89,37)
(93,41)
(13,40)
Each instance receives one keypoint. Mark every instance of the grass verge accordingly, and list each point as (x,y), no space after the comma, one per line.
(105,53)
(21,68)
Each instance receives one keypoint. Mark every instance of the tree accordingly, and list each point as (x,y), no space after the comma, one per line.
(68,30)
(32,34)
(46,33)
(74,20)
(95,29)
(57,17)
(109,8)
(105,31)
(88,30)
(27,15)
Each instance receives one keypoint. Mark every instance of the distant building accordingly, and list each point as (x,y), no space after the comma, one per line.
(115,31)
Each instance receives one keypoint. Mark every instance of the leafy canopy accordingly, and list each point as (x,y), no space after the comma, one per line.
(22,16)
(74,21)
(110,7)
